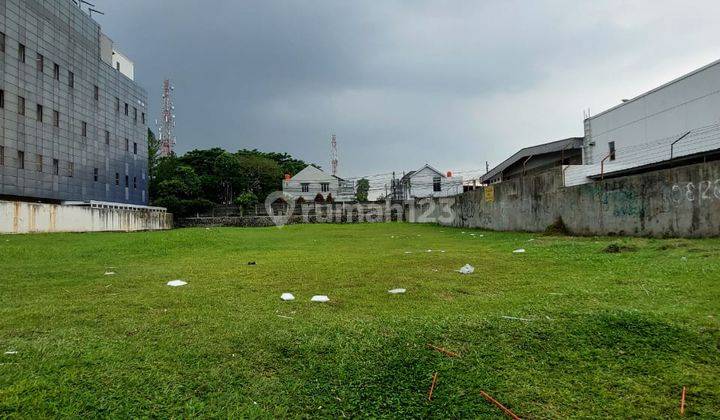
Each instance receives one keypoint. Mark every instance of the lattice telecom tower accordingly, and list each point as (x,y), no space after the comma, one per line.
(334,155)
(167,123)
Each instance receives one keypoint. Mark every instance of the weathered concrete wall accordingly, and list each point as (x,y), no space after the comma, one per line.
(22,217)
(682,201)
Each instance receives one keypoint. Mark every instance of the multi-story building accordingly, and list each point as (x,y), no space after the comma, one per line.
(73,123)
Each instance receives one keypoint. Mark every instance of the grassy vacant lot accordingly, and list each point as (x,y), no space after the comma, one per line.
(603,334)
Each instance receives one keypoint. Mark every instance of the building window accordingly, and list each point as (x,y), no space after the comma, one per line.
(117,104)
(39,162)
(2,155)
(2,99)
(135,183)
(611,145)
(39,112)
(71,169)
(83,130)
(56,71)
(117,178)
(71,79)
(305,187)
(127,181)
(40,63)
(2,42)
(127,109)
(56,118)
(21,159)
(117,66)
(107,137)
(95,174)
(97,93)
(21,52)
(134,148)
(325,187)
(436,184)
(56,167)
(143,118)
(135,115)
(21,105)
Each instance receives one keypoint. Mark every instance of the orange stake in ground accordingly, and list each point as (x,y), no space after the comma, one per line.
(432,386)
(443,351)
(682,403)
(500,406)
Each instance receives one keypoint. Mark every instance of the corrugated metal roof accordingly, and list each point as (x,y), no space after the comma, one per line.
(553,146)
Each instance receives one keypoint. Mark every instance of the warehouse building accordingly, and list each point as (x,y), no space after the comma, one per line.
(73,122)
(674,124)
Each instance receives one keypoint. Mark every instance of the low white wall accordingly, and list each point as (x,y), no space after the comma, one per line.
(22,217)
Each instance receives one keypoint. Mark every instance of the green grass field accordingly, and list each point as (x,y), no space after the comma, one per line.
(601,335)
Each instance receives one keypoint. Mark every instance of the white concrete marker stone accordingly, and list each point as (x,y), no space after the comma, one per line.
(519,251)
(467,269)
(396,291)
(176,283)
(320,298)
(287,297)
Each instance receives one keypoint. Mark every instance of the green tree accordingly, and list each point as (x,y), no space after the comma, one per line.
(362,188)
(153,153)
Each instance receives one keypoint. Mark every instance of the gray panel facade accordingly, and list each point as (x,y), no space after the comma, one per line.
(72,158)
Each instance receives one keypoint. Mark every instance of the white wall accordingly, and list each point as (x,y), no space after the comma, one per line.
(22,217)
(421,185)
(127,67)
(644,127)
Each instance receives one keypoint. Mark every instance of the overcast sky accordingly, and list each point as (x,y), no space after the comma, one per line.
(402,83)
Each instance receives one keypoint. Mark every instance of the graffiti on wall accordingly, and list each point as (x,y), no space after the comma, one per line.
(696,191)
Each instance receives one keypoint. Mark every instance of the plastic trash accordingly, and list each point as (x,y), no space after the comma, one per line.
(396,291)
(519,251)
(176,283)
(320,298)
(408,252)
(287,296)
(429,250)
(467,269)
(10,352)
(109,273)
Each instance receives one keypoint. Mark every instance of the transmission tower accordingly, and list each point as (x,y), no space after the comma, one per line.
(334,155)
(167,124)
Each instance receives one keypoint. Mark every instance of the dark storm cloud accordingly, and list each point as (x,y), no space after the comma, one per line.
(401,82)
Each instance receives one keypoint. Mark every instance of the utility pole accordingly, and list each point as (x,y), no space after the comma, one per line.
(333,155)
(167,124)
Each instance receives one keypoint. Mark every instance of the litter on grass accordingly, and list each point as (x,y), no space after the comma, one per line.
(10,352)
(429,250)
(396,291)
(287,296)
(408,252)
(176,283)
(466,269)
(320,298)
(519,251)
(252,263)
(109,273)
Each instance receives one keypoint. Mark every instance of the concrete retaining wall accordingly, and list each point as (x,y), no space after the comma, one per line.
(22,217)
(682,201)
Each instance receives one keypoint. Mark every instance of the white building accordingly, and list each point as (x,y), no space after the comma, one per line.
(678,122)
(428,182)
(312,184)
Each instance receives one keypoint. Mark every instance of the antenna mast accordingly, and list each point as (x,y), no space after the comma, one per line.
(167,124)
(334,155)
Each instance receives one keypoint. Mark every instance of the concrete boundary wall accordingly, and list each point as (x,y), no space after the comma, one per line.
(682,201)
(22,217)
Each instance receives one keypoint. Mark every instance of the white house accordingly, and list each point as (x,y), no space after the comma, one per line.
(428,182)
(313,184)
(671,124)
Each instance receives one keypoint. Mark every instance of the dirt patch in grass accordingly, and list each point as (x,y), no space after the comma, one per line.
(615,248)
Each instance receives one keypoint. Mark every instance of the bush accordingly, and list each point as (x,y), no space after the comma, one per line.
(184,208)
(246,199)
